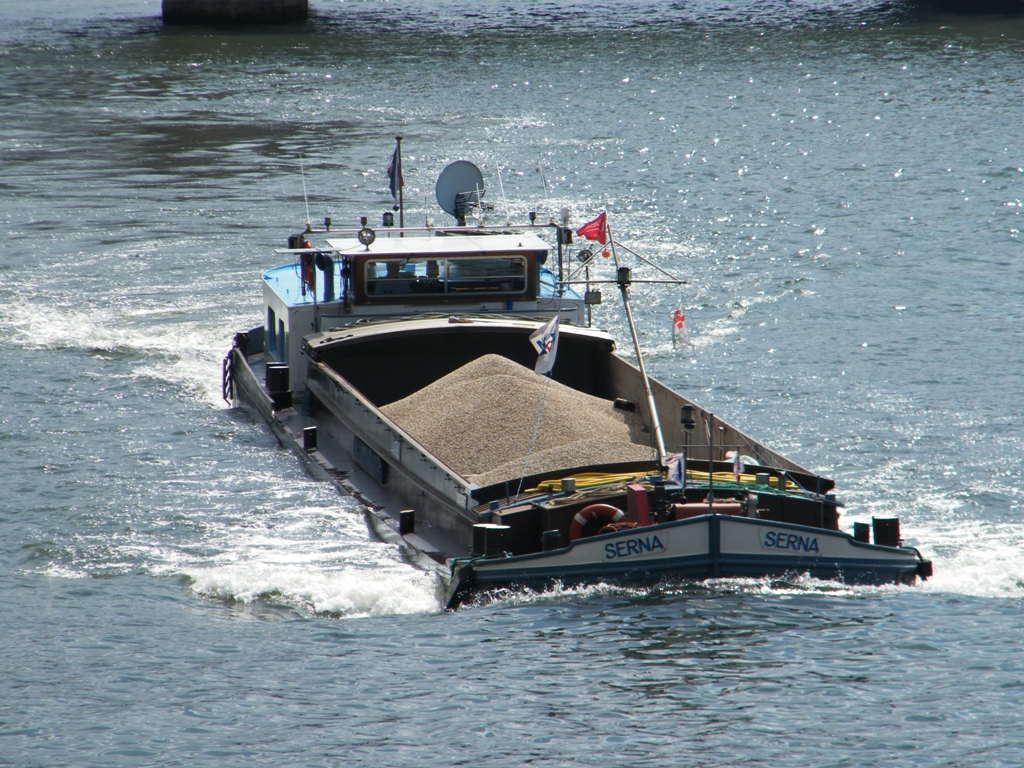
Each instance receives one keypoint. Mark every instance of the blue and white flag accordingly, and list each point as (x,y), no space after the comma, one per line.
(675,464)
(737,463)
(545,340)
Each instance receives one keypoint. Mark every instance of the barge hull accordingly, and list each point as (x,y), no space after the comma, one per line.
(706,547)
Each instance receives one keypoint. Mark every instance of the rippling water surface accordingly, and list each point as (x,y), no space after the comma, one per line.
(841,184)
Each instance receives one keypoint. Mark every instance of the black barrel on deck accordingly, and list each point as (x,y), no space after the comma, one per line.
(886,530)
(407,522)
(862,532)
(490,539)
(278,385)
(278,378)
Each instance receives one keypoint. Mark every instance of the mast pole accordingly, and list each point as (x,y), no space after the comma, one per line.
(623,279)
(710,426)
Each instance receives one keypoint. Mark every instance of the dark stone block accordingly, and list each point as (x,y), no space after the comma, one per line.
(234,11)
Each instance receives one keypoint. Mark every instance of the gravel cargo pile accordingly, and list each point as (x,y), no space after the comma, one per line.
(578,454)
(479,420)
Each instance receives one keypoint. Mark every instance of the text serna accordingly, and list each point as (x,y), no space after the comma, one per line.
(618,549)
(790,541)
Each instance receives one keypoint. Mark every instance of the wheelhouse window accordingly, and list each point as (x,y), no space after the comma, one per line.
(271,332)
(461,276)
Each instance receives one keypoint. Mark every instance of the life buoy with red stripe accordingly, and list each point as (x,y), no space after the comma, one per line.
(308,270)
(594,511)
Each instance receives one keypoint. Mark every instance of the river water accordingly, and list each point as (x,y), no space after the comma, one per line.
(841,183)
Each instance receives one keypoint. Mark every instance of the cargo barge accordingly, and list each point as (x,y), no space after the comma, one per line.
(400,364)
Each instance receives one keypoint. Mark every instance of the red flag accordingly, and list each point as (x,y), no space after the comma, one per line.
(596,229)
(680,338)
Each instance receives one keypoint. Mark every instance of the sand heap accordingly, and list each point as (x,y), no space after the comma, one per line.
(480,418)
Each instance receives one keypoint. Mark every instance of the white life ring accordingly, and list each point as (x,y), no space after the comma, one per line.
(594,511)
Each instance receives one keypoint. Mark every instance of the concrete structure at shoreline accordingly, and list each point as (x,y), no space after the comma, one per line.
(234,11)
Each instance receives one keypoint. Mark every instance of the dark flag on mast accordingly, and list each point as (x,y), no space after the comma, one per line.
(396,183)
(395,173)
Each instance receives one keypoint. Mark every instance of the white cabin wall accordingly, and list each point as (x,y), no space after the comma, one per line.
(297,323)
(301,323)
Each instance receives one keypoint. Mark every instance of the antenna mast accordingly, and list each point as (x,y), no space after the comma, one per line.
(305,197)
(543,178)
(623,279)
(504,202)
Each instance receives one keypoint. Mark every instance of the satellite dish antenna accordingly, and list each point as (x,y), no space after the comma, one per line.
(459,184)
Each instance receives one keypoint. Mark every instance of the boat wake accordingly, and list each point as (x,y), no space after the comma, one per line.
(973,557)
(944,513)
(316,558)
(158,343)
(347,592)
(795,584)
(302,548)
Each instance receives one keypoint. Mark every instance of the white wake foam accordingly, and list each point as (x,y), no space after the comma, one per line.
(348,591)
(973,557)
(181,352)
(970,557)
(313,558)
